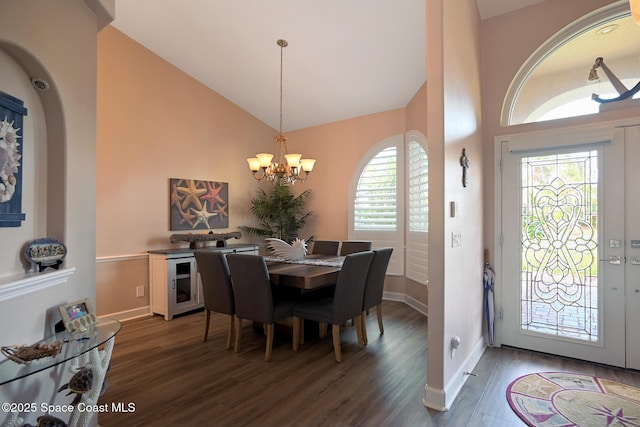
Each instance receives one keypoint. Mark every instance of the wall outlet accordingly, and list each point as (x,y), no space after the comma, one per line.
(139,291)
(455,343)
(456,239)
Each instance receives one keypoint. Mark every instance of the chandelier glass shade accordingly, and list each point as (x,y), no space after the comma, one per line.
(634,6)
(281,165)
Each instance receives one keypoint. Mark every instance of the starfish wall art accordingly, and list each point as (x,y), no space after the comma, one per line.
(198,205)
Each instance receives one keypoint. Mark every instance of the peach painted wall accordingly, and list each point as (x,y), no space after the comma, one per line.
(417,112)
(155,123)
(338,147)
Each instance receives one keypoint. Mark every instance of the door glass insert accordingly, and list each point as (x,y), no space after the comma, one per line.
(559,218)
(183,282)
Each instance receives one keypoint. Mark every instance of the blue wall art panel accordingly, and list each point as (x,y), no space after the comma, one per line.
(12,112)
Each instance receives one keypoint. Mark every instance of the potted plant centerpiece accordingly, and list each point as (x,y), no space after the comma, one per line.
(280,212)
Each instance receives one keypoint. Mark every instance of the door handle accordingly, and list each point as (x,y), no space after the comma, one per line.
(613,259)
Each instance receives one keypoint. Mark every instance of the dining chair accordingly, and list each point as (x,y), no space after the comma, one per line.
(345,304)
(374,288)
(353,246)
(326,247)
(217,290)
(253,297)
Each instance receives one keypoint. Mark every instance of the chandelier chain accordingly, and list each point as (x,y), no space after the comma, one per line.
(282,166)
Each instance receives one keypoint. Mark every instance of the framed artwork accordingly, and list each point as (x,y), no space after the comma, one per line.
(77,315)
(12,112)
(198,205)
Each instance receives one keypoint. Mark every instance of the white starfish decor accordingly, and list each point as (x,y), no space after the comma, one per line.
(291,252)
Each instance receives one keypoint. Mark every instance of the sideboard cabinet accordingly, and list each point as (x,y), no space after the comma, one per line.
(174,283)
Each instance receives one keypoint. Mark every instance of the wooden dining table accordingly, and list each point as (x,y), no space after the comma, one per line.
(312,272)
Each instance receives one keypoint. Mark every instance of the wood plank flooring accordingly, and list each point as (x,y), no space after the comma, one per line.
(175,379)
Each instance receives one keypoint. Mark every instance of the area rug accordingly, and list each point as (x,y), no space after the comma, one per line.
(566,399)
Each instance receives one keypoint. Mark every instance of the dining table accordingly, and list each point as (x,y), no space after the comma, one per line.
(308,273)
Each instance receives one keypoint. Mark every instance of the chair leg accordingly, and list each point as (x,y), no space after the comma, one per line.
(359,322)
(296,333)
(268,351)
(379,311)
(238,334)
(230,332)
(322,329)
(207,318)
(363,321)
(335,331)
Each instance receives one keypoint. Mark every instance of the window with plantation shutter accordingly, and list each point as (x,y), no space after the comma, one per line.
(417,209)
(376,195)
(389,202)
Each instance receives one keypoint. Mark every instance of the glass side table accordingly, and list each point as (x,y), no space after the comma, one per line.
(84,346)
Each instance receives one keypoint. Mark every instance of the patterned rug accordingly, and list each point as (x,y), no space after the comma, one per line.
(566,399)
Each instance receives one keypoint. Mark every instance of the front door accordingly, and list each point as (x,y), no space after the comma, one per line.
(563,254)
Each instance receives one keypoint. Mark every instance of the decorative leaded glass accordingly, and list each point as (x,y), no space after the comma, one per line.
(559,217)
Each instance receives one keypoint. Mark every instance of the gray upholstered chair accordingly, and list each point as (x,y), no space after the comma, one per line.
(216,289)
(353,246)
(254,300)
(374,288)
(345,304)
(326,247)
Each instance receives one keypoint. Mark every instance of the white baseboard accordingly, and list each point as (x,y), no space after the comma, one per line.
(411,302)
(434,399)
(129,314)
(441,400)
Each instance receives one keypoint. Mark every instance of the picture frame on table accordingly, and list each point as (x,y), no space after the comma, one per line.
(78,315)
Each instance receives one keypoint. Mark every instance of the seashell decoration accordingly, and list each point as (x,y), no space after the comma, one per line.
(9,159)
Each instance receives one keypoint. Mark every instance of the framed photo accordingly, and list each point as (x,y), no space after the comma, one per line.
(78,315)
(198,205)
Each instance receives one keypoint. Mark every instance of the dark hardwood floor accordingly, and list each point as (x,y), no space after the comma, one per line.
(175,379)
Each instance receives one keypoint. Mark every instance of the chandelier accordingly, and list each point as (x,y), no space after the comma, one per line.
(287,167)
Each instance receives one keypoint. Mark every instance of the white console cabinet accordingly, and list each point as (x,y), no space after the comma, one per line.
(174,282)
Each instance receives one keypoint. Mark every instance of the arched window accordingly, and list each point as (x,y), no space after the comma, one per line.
(375,206)
(378,212)
(417,237)
(554,82)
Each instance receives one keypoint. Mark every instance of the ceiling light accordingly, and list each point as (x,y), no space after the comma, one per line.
(286,167)
(607,29)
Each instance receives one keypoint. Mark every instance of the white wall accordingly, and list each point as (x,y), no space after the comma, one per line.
(454,123)
(55,41)
(33,165)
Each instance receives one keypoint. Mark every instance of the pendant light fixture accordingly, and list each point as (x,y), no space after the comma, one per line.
(634,5)
(281,165)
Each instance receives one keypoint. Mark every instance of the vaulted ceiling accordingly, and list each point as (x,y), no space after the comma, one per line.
(344,59)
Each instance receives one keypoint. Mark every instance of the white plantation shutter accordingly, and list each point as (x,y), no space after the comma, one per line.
(376,200)
(375,205)
(417,211)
